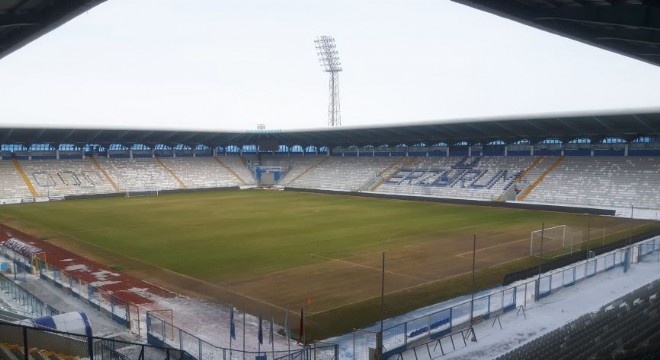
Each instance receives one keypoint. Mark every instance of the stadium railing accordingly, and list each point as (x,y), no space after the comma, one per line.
(26,342)
(459,316)
(161,332)
(30,303)
(121,311)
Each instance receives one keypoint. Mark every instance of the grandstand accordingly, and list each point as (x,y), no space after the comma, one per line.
(485,178)
(202,172)
(65,177)
(596,181)
(346,174)
(602,181)
(609,160)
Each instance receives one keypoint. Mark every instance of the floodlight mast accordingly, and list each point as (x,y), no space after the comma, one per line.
(329,58)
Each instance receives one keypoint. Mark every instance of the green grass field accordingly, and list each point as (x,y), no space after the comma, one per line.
(268,248)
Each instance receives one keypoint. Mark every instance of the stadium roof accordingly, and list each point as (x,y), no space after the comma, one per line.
(22,21)
(628,27)
(628,126)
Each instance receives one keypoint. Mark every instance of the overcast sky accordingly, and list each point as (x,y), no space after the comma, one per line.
(232,64)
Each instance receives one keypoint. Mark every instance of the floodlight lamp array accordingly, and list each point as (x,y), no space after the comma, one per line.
(328,54)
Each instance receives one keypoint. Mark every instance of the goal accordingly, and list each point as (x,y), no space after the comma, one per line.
(137,193)
(555,240)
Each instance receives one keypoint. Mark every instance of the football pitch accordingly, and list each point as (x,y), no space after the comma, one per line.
(282,250)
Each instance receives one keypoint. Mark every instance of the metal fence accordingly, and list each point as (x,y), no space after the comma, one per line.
(122,312)
(162,332)
(24,342)
(458,317)
(649,250)
(30,304)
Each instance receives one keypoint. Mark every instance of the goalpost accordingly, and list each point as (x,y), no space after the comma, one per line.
(547,239)
(564,239)
(558,240)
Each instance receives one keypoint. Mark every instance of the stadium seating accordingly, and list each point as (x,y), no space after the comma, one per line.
(202,172)
(602,181)
(349,174)
(143,174)
(572,180)
(620,327)
(458,177)
(65,177)
(13,187)
(238,168)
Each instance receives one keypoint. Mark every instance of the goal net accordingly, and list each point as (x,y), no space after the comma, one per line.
(555,240)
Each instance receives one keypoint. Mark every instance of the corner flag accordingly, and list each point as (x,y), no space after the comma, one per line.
(260,335)
(232,327)
(301,331)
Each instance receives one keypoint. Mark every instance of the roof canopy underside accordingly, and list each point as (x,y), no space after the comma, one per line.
(22,21)
(565,128)
(627,27)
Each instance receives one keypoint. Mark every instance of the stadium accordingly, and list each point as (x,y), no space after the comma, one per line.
(392,241)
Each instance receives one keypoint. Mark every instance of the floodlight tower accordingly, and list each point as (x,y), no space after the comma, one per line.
(329,57)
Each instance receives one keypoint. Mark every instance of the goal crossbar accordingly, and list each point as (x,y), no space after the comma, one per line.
(552,233)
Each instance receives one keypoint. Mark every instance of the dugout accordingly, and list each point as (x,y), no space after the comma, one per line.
(21,253)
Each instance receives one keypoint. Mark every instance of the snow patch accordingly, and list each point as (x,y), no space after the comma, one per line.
(75,267)
(103,275)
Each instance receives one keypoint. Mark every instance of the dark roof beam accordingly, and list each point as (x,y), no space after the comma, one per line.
(95,136)
(512,133)
(123,135)
(642,122)
(602,123)
(148,135)
(477,130)
(12,20)
(568,125)
(167,139)
(7,135)
(622,25)
(625,15)
(186,138)
(630,41)
(420,134)
(37,138)
(541,130)
(65,137)
(19,7)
